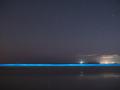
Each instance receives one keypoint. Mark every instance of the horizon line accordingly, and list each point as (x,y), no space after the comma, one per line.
(56,65)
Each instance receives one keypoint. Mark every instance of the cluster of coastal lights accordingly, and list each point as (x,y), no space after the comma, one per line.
(107,62)
(105,59)
(102,62)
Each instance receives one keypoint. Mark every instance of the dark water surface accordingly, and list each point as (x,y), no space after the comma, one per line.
(59,79)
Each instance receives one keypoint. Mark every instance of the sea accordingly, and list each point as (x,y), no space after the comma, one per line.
(59,78)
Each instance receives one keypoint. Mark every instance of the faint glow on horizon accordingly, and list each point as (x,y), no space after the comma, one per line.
(109,59)
(106,62)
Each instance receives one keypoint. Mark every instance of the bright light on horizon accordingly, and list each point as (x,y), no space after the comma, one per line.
(107,62)
(109,59)
(81,62)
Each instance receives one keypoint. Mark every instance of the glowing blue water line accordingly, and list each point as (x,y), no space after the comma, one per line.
(56,65)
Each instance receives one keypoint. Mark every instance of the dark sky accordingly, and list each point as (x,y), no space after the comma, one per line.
(59,27)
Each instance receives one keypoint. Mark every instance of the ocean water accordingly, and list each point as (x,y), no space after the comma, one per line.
(60,78)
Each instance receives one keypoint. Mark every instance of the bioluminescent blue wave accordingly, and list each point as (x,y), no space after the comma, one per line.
(56,65)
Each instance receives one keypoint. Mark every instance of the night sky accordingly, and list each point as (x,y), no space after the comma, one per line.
(58,28)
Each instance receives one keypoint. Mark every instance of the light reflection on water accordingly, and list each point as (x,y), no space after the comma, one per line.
(60,78)
(80,75)
(83,80)
(100,75)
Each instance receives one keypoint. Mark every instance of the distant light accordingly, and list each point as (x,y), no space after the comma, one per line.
(108,59)
(112,62)
(106,62)
(81,62)
(103,62)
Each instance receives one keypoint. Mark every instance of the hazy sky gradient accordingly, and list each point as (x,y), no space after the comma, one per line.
(59,27)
